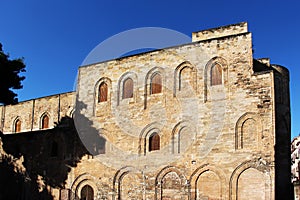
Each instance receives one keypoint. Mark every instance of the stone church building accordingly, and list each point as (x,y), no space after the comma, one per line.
(199,121)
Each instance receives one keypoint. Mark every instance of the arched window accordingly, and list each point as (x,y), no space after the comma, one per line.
(103,92)
(17,126)
(87,193)
(45,122)
(154,142)
(128,88)
(156,83)
(216,75)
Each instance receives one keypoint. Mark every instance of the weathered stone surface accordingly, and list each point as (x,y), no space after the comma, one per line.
(215,141)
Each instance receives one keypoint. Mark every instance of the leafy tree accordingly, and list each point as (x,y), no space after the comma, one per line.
(10,78)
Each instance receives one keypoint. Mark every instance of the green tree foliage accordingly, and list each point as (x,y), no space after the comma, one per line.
(9,77)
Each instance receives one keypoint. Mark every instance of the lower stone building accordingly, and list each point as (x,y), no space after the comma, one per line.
(203,120)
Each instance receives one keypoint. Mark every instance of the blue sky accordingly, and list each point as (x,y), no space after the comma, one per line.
(55,36)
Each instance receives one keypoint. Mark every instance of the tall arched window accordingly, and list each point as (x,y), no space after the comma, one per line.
(216,75)
(103,92)
(17,126)
(45,122)
(156,83)
(87,193)
(128,88)
(154,142)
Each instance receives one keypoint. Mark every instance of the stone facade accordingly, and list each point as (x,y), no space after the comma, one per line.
(198,121)
(295,156)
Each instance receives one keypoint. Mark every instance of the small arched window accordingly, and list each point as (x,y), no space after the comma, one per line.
(45,122)
(154,142)
(87,193)
(156,84)
(17,126)
(103,92)
(128,88)
(216,74)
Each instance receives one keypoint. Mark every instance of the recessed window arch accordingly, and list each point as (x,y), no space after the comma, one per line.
(45,121)
(87,193)
(248,130)
(149,139)
(156,84)
(102,92)
(17,125)
(154,142)
(102,95)
(185,79)
(127,88)
(216,75)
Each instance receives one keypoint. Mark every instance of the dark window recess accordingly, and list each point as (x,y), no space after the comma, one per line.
(154,142)
(216,75)
(103,92)
(45,122)
(87,193)
(156,84)
(128,88)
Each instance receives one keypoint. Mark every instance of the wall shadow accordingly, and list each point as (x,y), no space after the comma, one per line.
(31,163)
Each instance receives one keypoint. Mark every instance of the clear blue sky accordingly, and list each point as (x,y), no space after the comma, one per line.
(55,36)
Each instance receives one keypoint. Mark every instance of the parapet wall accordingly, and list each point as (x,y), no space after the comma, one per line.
(222,31)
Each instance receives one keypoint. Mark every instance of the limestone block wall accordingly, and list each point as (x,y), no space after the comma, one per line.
(30,112)
(220,32)
(222,134)
(196,121)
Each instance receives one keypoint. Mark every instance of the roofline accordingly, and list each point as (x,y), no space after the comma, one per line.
(171,47)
